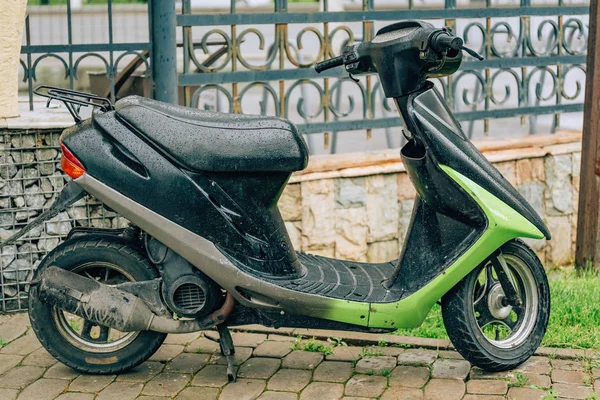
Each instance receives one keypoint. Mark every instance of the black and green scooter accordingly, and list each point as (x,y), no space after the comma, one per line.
(207,246)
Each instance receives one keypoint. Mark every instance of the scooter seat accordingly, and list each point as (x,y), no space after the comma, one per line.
(210,141)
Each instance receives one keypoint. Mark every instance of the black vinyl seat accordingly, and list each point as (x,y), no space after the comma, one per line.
(209,141)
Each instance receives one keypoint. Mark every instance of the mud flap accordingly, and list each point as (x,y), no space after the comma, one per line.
(71,193)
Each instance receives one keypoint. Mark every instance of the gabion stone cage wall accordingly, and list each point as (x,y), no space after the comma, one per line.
(30,180)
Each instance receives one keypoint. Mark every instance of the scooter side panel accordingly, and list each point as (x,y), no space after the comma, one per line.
(504,224)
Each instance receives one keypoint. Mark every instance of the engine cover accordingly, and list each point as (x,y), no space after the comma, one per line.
(185,290)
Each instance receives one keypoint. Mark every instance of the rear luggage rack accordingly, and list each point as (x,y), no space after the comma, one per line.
(74,99)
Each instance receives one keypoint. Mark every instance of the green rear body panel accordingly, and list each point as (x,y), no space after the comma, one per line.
(504,224)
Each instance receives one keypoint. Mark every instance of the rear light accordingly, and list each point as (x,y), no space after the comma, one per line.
(70,164)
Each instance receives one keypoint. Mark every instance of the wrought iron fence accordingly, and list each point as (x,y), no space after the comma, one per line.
(534,62)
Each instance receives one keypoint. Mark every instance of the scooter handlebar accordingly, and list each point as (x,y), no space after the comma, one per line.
(328,64)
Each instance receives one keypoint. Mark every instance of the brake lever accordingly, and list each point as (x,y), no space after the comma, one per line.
(472,53)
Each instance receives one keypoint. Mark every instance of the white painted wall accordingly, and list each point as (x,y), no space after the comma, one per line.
(12,17)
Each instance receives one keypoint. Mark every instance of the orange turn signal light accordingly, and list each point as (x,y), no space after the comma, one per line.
(70,164)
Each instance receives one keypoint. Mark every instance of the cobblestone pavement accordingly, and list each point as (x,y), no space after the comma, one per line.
(272,367)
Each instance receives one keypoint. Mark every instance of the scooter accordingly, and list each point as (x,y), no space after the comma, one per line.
(207,246)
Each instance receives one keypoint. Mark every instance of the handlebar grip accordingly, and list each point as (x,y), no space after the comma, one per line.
(443,42)
(331,63)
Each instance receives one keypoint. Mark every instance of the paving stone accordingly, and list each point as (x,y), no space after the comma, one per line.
(536,365)
(43,389)
(198,393)
(278,396)
(281,338)
(167,352)
(444,389)
(533,379)
(121,391)
(166,384)
(486,386)
(571,391)
(456,369)
(483,397)
(345,353)
(61,371)
(7,361)
(322,391)
(259,368)
(478,373)
(187,363)
(355,398)
(181,338)
(91,383)
(521,393)
(417,357)
(333,371)
(567,365)
(402,393)
(241,339)
(241,355)
(377,365)
(365,385)
(299,359)
(289,380)
(382,351)
(450,354)
(407,376)
(212,376)
(272,349)
(243,389)
(8,394)
(39,358)
(202,345)
(596,373)
(20,377)
(22,346)
(142,373)
(576,377)
(14,327)
(75,396)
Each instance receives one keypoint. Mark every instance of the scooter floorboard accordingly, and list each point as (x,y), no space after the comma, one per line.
(341,279)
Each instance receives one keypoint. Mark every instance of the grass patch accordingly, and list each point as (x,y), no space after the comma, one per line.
(312,346)
(574,315)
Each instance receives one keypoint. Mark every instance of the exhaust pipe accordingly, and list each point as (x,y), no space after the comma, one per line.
(109,306)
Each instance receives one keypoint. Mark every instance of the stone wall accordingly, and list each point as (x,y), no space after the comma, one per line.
(354,207)
(362,212)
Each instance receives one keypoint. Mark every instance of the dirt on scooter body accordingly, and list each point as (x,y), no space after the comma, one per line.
(207,246)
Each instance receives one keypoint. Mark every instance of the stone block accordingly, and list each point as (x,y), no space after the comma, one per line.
(243,389)
(166,384)
(272,349)
(43,389)
(486,386)
(289,380)
(571,377)
(333,371)
(187,363)
(211,376)
(350,192)
(365,386)
(382,251)
(407,376)
(259,368)
(530,170)
(382,207)
(290,203)
(376,365)
(444,389)
(318,216)
(401,393)
(454,369)
(302,360)
(323,391)
(559,250)
(351,234)
(90,383)
(508,170)
(559,198)
(121,391)
(406,190)
(417,357)
(294,230)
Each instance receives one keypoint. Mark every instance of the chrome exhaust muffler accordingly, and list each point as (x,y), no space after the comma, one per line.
(118,309)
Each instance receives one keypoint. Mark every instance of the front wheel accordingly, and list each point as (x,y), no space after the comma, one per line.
(487,331)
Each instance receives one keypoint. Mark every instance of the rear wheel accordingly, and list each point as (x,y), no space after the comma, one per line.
(483,327)
(82,344)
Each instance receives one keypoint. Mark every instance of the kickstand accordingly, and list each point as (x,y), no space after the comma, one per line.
(228,350)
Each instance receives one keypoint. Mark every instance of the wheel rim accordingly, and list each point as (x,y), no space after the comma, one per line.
(501,324)
(84,334)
